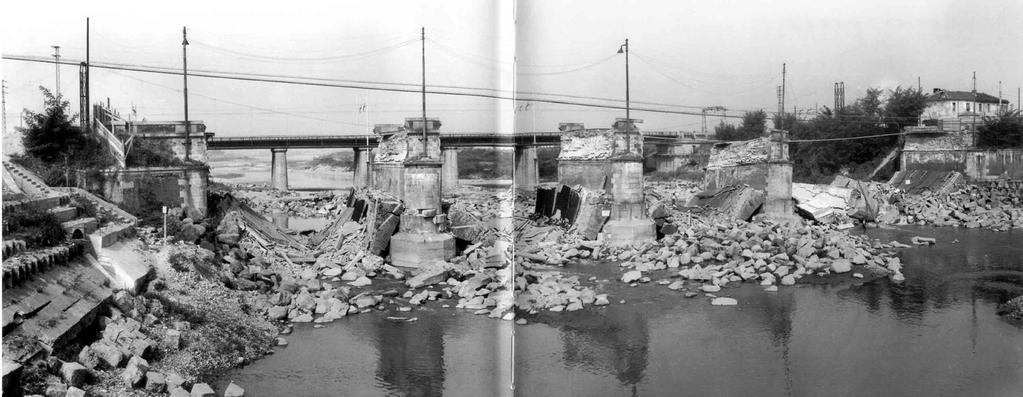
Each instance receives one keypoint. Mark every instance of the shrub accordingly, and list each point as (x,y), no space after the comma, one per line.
(37,228)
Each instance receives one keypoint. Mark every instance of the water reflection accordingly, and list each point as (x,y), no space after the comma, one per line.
(411,357)
(615,341)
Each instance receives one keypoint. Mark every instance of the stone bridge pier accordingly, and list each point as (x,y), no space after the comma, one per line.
(629,223)
(362,173)
(449,170)
(421,239)
(279,168)
(527,170)
(778,204)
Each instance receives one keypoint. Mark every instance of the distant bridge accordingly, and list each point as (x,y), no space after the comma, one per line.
(450,140)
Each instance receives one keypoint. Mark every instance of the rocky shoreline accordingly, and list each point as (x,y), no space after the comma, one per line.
(230,288)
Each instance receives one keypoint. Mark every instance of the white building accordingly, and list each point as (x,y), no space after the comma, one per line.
(952,105)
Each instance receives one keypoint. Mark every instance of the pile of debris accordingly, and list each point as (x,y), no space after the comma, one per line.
(267,201)
(996,206)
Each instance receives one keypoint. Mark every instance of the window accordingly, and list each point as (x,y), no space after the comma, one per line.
(953,106)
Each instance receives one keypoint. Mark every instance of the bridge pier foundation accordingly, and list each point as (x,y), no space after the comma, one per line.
(449,170)
(279,168)
(362,172)
(527,173)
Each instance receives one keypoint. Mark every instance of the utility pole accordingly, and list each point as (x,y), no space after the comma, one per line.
(624,48)
(628,106)
(998,110)
(422,39)
(56,63)
(781,114)
(919,87)
(3,93)
(184,62)
(87,108)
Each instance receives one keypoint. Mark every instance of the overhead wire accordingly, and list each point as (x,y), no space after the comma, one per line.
(234,76)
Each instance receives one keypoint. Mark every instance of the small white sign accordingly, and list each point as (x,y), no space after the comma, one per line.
(605,213)
(165,209)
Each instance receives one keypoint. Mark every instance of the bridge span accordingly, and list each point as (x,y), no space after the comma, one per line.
(671,145)
(447,140)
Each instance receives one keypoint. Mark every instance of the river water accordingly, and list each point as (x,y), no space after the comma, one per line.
(935,334)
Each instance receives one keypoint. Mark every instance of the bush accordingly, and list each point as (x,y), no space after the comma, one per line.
(1004,131)
(152,153)
(37,228)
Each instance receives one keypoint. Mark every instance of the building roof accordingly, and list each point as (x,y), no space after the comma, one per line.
(944,95)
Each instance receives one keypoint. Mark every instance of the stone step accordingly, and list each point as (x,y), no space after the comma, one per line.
(64,213)
(22,266)
(13,247)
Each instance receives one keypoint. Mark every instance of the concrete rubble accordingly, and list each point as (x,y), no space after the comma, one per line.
(995,206)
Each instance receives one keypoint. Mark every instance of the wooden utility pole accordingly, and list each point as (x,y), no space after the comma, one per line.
(422,39)
(184,63)
(56,63)
(87,108)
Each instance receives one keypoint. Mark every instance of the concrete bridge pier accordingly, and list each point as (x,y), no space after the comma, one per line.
(362,172)
(628,223)
(449,170)
(279,168)
(778,204)
(527,171)
(420,240)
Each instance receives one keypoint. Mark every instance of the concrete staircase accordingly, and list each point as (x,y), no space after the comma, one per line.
(102,244)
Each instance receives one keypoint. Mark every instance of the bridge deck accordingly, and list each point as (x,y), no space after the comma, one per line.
(447,140)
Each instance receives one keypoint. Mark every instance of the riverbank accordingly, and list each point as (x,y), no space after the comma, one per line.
(229,297)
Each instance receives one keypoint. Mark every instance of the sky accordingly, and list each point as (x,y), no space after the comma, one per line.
(684,55)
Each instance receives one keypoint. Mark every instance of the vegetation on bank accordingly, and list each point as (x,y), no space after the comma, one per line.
(36,228)
(1001,132)
(54,148)
(878,112)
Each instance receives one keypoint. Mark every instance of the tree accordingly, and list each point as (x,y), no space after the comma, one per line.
(873,114)
(53,145)
(1003,131)
(754,125)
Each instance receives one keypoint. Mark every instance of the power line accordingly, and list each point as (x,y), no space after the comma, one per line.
(233,76)
(309,59)
(847,138)
(236,103)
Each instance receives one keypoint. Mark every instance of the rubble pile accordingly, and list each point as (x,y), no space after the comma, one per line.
(673,194)
(478,217)
(714,251)
(997,206)
(710,250)
(268,201)
(753,151)
(587,144)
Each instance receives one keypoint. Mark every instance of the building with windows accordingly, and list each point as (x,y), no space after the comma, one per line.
(952,105)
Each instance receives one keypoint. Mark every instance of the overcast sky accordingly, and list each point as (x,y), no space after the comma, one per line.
(684,53)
